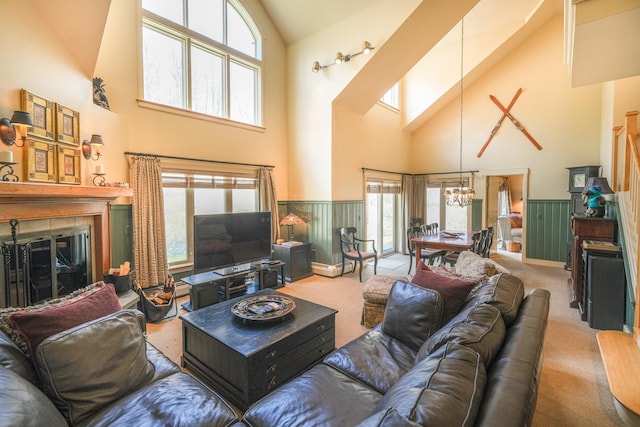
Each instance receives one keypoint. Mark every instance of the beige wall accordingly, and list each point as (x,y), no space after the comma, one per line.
(43,66)
(316,157)
(564,121)
(319,148)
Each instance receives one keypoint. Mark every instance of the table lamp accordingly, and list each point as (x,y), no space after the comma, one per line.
(291,220)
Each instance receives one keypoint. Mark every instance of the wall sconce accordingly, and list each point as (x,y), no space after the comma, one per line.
(22,121)
(340,57)
(96,143)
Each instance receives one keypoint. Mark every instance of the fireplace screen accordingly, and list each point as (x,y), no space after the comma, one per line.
(40,267)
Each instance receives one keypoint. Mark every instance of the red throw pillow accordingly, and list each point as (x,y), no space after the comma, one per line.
(36,326)
(453,291)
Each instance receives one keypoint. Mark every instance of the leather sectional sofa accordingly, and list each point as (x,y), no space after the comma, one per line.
(480,368)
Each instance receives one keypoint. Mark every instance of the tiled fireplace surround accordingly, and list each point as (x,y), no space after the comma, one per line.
(44,207)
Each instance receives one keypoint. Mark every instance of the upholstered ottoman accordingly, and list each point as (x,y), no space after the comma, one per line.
(375,294)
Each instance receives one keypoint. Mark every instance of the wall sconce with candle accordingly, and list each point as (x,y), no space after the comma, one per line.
(22,121)
(6,162)
(90,146)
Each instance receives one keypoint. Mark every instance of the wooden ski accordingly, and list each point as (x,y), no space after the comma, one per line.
(515,122)
(497,126)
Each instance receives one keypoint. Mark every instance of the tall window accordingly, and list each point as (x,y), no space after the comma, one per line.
(448,217)
(187,194)
(204,56)
(382,205)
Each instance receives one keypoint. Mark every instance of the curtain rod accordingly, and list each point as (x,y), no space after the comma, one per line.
(130,153)
(418,174)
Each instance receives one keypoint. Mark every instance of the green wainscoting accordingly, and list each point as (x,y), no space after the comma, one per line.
(476,215)
(322,219)
(121,234)
(548,229)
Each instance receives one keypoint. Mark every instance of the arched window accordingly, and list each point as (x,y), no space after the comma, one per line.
(204,56)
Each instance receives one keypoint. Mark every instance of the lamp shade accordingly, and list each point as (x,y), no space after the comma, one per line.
(599,182)
(291,219)
(21,118)
(96,140)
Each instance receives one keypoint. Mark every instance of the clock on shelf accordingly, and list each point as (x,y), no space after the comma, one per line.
(578,177)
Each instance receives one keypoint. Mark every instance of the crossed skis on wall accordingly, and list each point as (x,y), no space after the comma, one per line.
(506,112)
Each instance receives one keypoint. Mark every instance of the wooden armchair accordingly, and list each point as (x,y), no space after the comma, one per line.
(355,249)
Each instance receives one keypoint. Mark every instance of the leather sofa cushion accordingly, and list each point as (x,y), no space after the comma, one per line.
(322,396)
(374,358)
(23,404)
(176,400)
(479,327)
(88,367)
(11,357)
(504,291)
(412,314)
(388,418)
(444,389)
(512,381)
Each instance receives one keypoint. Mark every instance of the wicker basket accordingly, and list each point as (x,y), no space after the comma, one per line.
(513,246)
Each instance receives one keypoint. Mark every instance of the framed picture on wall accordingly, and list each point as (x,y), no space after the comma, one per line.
(68,165)
(41,111)
(67,125)
(40,161)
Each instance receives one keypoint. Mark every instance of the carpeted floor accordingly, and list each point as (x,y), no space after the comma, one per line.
(573,387)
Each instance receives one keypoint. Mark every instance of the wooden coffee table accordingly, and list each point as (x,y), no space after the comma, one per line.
(245,360)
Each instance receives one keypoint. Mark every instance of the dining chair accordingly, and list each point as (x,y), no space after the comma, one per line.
(355,249)
(452,257)
(426,254)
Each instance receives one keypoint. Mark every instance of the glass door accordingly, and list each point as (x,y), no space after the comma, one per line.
(381,221)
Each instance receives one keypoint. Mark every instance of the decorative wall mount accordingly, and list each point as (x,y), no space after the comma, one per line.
(506,112)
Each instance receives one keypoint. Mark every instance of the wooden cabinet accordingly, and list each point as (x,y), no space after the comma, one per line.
(583,228)
(297,260)
(244,361)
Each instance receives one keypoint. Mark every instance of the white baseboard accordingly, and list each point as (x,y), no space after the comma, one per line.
(333,270)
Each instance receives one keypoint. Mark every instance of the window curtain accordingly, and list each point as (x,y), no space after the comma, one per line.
(504,198)
(414,198)
(149,242)
(268,200)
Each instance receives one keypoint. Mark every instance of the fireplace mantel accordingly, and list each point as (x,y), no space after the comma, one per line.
(25,201)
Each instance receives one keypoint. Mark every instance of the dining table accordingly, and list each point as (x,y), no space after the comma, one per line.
(448,240)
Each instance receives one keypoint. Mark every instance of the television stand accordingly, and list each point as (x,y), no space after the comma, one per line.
(210,287)
(228,271)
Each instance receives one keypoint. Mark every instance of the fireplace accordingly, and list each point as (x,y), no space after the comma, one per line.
(67,211)
(40,266)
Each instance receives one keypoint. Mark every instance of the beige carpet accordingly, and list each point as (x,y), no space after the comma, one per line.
(573,386)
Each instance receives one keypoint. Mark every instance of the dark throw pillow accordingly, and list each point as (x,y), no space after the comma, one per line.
(412,314)
(453,291)
(86,368)
(36,325)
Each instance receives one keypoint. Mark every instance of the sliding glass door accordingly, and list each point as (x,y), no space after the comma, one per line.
(381,214)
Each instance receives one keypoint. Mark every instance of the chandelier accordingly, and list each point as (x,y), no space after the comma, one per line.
(461,196)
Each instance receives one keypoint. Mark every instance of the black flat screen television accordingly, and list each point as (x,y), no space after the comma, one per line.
(224,243)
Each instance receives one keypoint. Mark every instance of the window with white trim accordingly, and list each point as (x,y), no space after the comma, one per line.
(204,56)
(391,98)
(194,193)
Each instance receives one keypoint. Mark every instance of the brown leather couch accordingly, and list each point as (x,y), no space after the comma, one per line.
(481,368)
(167,396)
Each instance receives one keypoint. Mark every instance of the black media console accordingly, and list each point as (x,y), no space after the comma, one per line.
(210,287)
